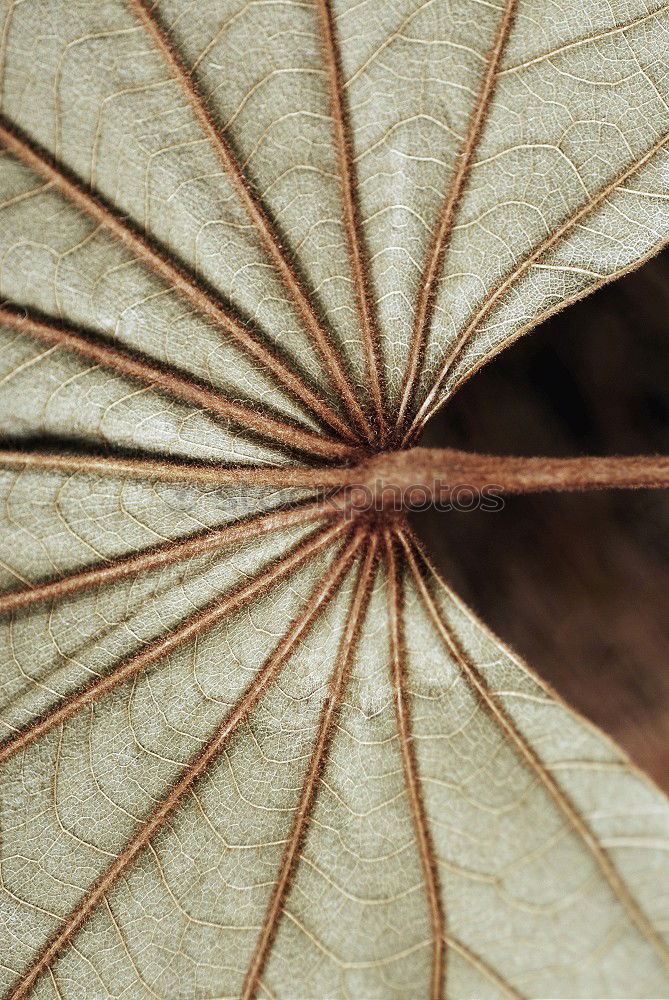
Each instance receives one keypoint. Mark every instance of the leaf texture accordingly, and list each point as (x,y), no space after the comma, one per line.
(250,746)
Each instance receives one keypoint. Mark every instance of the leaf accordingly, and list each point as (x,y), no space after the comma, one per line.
(252,745)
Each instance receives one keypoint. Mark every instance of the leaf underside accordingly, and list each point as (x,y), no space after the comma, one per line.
(248,746)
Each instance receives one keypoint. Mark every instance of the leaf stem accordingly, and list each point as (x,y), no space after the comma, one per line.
(389,480)
(437,471)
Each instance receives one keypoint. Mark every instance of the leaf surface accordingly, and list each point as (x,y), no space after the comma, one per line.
(250,746)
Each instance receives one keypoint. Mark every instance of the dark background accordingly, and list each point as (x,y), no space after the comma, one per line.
(575,583)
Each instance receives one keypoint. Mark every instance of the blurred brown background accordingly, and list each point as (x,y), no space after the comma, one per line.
(576,583)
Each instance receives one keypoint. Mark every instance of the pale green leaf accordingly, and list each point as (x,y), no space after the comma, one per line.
(398,807)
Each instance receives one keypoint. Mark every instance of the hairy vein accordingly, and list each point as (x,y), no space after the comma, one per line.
(172,640)
(431,403)
(410,767)
(305,806)
(387,481)
(435,258)
(255,211)
(557,307)
(173,274)
(168,471)
(352,223)
(162,555)
(317,601)
(177,385)
(502,719)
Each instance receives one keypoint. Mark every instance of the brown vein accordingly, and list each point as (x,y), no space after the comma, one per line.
(430,405)
(160,263)
(410,766)
(499,715)
(162,555)
(255,211)
(201,764)
(167,471)
(173,639)
(435,258)
(582,293)
(359,263)
(304,810)
(172,382)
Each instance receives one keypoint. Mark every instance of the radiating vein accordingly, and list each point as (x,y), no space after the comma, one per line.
(317,601)
(160,262)
(435,257)
(410,767)
(556,307)
(319,756)
(174,639)
(254,210)
(167,471)
(209,540)
(431,403)
(501,718)
(352,223)
(177,385)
